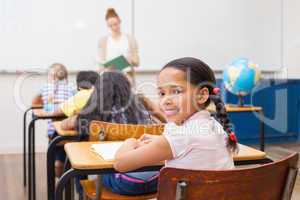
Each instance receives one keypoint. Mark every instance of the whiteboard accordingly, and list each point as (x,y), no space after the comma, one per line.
(35,33)
(216,31)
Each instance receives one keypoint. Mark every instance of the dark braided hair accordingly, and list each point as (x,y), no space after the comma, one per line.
(200,74)
(111,99)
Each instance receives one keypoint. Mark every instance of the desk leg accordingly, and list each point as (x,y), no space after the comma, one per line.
(51,169)
(33,163)
(51,163)
(30,160)
(24,147)
(68,190)
(63,181)
(262,132)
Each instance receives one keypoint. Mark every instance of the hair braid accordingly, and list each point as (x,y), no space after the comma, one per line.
(222,117)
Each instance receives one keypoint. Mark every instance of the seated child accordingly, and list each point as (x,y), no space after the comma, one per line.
(53,93)
(113,101)
(85,81)
(192,139)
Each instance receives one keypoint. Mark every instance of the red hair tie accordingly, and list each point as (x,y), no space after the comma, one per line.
(232,137)
(216,90)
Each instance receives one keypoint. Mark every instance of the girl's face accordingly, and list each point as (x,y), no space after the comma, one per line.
(113,24)
(51,75)
(179,99)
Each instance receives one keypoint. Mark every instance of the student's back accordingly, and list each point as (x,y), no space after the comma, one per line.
(198,144)
(113,101)
(85,81)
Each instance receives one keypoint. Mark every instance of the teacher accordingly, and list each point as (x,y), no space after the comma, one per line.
(118,43)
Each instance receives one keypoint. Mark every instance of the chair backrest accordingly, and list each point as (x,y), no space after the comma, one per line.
(99,130)
(274,181)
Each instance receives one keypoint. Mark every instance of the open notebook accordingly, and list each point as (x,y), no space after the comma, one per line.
(106,150)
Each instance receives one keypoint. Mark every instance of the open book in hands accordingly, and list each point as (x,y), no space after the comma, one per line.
(118,63)
(107,150)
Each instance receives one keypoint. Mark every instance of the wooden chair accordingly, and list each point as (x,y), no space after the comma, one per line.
(274,181)
(89,187)
(99,130)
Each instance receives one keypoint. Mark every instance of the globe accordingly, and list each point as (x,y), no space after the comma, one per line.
(241,76)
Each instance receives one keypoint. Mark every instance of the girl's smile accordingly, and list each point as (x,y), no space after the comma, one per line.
(170,112)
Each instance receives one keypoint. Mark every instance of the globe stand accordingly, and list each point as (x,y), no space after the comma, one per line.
(241,101)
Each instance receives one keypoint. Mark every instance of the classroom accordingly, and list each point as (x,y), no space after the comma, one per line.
(137,100)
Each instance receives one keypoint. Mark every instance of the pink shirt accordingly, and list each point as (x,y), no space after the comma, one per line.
(198,144)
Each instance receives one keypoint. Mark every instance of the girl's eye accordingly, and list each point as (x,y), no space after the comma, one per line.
(161,94)
(177,91)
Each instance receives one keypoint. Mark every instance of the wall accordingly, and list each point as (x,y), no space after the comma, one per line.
(291,38)
(12,113)
(16,93)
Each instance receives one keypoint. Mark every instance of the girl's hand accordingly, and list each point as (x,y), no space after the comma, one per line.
(146,138)
(131,143)
(128,145)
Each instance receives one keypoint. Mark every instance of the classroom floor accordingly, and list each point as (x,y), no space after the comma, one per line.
(11,183)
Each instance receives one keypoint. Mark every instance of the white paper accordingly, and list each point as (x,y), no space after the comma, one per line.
(107,150)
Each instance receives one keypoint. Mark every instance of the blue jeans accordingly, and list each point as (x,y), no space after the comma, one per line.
(122,186)
(60,154)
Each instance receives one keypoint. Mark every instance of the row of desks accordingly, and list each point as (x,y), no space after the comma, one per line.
(84,161)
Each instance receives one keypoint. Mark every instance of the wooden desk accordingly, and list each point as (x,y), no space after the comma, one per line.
(81,156)
(61,132)
(232,108)
(31,150)
(237,109)
(64,136)
(86,162)
(33,106)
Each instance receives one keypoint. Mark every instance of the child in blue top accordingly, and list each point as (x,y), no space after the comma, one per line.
(53,93)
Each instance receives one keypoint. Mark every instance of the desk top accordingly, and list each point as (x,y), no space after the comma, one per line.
(38,112)
(81,156)
(233,108)
(35,106)
(61,132)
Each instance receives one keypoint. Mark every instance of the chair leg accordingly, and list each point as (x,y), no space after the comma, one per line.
(98,187)
(68,189)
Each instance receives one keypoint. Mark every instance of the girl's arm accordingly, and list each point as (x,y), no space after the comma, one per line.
(69,123)
(37,100)
(153,109)
(133,155)
(56,113)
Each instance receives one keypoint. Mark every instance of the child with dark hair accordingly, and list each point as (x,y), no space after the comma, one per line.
(113,101)
(86,79)
(192,139)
